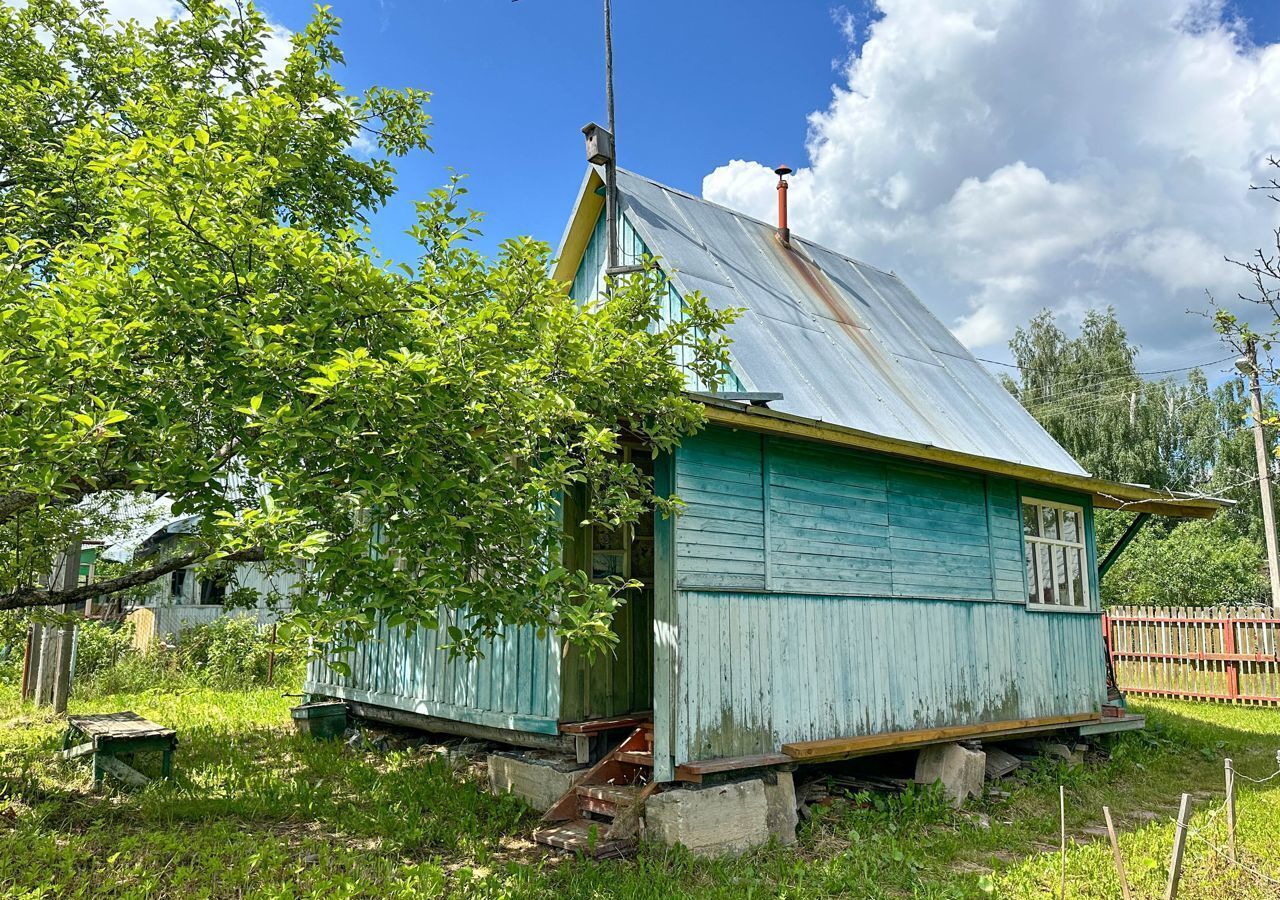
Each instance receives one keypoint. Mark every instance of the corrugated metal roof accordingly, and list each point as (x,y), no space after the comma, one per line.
(844,342)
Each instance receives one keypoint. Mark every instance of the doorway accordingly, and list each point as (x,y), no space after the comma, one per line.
(617,682)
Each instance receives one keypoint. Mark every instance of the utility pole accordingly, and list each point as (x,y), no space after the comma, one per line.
(611,167)
(1248,364)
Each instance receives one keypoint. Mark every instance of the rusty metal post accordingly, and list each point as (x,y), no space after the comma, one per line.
(27,670)
(271,658)
(784,232)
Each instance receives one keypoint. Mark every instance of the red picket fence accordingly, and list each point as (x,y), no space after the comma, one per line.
(1212,653)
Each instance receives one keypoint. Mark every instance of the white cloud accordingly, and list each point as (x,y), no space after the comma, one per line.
(1004,156)
(276,46)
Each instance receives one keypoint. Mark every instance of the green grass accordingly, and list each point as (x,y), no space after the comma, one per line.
(257,811)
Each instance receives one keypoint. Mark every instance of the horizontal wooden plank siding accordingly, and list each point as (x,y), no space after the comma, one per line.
(761,670)
(516,685)
(720,536)
(769,513)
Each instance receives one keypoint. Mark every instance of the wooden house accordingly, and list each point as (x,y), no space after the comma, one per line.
(184,598)
(893,552)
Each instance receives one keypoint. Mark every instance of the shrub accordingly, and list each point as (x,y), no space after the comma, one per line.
(227,653)
(1201,563)
(101,646)
(234,652)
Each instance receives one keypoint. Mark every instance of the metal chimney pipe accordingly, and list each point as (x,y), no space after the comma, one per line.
(784,233)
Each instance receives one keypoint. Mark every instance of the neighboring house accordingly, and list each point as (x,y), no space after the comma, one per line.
(891,552)
(183,598)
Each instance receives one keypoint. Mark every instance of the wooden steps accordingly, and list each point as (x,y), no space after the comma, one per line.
(600,815)
(585,836)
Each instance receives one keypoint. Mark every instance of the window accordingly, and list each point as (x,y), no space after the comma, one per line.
(1057,560)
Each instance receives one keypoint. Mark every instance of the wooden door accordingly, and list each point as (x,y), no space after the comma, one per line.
(620,681)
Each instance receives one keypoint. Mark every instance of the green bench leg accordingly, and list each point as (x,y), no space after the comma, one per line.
(97,772)
(166,763)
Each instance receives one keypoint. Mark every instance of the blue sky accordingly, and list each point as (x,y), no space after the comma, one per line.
(1002,156)
(514,82)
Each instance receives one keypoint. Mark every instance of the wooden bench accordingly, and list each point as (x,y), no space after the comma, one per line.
(109,736)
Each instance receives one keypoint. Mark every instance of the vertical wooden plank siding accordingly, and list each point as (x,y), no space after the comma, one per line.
(825,593)
(516,684)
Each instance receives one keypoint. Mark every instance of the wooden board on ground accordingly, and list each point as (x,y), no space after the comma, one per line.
(865,745)
(696,771)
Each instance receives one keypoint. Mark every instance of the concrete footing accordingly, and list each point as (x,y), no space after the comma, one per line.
(720,820)
(537,780)
(780,805)
(724,819)
(961,770)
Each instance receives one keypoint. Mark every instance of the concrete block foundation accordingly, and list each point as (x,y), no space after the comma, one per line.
(961,770)
(718,820)
(537,780)
(780,806)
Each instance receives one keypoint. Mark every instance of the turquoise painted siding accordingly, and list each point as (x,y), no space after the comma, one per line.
(588,284)
(516,685)
(824,593)
(761,669)
(766,513)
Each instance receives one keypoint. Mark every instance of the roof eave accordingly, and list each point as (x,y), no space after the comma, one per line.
(1106,494)
(582,221)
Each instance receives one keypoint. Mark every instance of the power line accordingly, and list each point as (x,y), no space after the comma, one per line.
(1125,372)
(1102,394)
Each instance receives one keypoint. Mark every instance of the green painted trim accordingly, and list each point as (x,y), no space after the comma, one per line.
(766,504)
(991,543)
(1129,534)
(666,626)
(509,721)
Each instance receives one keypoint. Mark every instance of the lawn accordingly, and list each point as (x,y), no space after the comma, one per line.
(256,811)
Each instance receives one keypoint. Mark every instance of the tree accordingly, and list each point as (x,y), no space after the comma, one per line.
(189,307)
(1089,394)
(1199,563)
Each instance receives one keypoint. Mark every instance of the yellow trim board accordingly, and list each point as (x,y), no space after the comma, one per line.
(844,748)
(1106,494)
(581,223)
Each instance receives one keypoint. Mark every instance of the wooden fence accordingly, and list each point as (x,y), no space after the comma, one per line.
(1210,653)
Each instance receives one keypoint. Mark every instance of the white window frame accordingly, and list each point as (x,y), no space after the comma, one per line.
(1029,552)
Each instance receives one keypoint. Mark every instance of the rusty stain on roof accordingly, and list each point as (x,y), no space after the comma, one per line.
(843,341)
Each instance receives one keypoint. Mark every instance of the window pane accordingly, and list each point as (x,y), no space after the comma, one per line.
(1060,575)
(1031,574)
(1048,522)
(1045,572)
(1030,520)
(1077,577)
(1071,530)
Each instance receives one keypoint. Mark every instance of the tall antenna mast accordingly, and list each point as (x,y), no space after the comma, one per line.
(610,167)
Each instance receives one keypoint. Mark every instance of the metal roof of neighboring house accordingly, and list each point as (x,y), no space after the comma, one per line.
(182,525)
(846,344)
